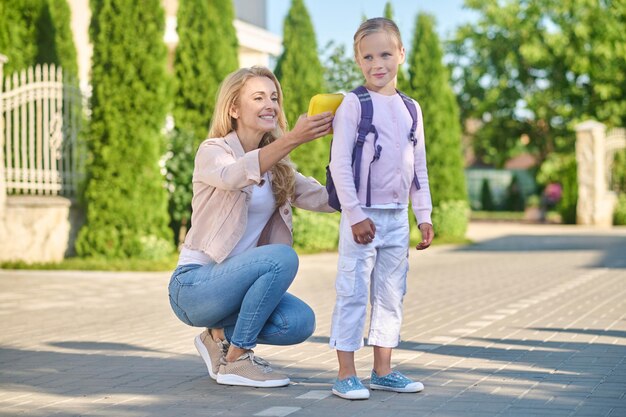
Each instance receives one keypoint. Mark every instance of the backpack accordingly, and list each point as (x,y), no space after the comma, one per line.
(366,127)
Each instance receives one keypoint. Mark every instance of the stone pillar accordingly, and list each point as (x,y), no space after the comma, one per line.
(3,188)
(595,201)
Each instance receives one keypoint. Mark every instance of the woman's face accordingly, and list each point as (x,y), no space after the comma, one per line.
(257,110)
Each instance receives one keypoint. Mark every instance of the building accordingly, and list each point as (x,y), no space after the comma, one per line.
(257,45)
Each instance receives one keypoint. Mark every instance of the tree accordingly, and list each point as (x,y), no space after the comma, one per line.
(341,73)
(429,84)
(486,198)
(301,76)
(55,40)
(402,78)
(207,51)
(537,68)
(198,72)
(36,32)
(126,202)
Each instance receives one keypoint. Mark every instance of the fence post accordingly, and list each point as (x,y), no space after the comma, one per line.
(595,202)
(3,188)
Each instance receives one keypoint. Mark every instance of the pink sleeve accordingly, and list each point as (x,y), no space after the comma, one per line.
(420,199)
(216,166)
(345,131)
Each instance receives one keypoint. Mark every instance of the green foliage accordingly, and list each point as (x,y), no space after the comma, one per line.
(341,73)
(402,80)
(486,197)
(514,198)
(569,181)
(301,76)
(180,153)
(99,264)
(315,232)
(126,213)
(562,169)
(429,85)
(207,51)
(618,172)
(36,32)
(450,220)
(539,67)
(619,215)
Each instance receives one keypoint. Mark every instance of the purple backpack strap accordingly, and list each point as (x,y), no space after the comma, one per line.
(410,105)
(365,127)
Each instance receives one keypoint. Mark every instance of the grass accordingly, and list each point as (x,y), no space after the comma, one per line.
(498,215)
(98,264)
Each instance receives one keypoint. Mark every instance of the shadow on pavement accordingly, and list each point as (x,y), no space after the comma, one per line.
(100,346)
(613,248)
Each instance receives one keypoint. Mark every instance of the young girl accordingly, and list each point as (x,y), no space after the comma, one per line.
(374,230)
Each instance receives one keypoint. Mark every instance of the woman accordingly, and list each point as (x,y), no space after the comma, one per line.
(237,262)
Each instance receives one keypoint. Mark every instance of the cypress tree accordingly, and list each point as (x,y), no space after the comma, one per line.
(126,202)
(55,41)
(207,51)
(429,84)
(36,31)
(198,70)
(301,76)
(402,79)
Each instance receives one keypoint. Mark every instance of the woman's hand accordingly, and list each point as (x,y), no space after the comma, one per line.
(364,231)
(427,236)
(308,128)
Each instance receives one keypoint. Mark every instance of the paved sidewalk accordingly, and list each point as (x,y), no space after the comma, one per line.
(530,321)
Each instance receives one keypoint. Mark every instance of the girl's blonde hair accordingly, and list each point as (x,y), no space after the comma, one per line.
(228,95)
(374,25)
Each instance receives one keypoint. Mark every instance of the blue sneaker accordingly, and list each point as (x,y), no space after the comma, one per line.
(396,382)
(350,389)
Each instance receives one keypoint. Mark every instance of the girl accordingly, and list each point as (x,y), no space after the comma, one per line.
(374,232)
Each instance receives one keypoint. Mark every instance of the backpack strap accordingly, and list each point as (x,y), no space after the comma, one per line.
(365,127)
(410,105)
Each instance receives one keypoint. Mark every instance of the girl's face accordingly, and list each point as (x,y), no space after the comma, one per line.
(379,57)
(257,110)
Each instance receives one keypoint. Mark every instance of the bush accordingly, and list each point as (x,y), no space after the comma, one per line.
(514,198)
(486,197)
(315,232)
(450,220)
(619,215)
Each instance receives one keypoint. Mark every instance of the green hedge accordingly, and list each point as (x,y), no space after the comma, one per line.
(315,232)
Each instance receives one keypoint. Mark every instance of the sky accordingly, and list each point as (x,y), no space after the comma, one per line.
(337,20)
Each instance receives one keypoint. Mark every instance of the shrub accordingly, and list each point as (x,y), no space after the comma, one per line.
(514,198)
(486,197)
(450,220)
(619,215)
(315,232)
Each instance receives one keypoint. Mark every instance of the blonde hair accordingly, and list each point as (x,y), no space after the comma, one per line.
(228,95)
(374,25)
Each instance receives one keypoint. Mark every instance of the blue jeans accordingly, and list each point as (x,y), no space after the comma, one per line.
(246,295)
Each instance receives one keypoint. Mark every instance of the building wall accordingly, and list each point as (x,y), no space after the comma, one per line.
(257,44)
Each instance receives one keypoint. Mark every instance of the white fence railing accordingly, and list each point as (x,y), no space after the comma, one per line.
(41,124)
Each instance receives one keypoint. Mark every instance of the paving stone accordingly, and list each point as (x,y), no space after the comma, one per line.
(529,321)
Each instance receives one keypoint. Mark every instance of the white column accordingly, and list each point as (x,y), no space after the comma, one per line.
(595,202)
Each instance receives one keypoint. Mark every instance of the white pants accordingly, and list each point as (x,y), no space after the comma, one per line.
(379,268)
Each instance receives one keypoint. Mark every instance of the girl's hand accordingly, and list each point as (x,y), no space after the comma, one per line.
(427,236)
(308,128)
(363,232)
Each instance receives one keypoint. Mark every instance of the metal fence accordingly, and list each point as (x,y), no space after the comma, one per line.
(41,119)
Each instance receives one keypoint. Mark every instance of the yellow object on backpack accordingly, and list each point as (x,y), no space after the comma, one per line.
(321,103)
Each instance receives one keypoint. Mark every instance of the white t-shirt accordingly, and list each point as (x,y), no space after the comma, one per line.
(260,209)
